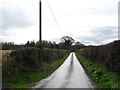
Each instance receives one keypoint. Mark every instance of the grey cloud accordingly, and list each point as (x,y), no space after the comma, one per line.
(108,30)
(104,11)
(104,33)
(100,35)
(14,18)
(96,11)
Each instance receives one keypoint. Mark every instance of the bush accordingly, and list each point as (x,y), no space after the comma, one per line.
(109,54)
(30,60)
(103,77)
(114,57)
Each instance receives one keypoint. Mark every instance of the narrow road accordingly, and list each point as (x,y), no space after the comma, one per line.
(69,75)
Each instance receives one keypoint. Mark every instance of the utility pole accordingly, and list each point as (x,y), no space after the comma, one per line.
(40,21)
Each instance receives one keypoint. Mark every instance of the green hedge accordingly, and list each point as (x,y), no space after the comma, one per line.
(27,80)
(108,54)
(100,74)
(30,60)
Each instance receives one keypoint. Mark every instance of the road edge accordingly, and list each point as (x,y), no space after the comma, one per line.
(93,84)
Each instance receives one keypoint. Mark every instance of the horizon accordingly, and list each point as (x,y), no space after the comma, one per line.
(89,22)
(60,42)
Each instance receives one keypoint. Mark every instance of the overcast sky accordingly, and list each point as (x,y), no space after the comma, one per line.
(88,21)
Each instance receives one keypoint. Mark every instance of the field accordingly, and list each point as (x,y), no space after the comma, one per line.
(5,54)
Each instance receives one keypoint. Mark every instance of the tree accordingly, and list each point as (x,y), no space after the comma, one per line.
(61,45)
(30,44)
(27,44)
(79,44)
(68,41)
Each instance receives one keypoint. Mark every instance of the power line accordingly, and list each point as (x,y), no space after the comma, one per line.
(54,18)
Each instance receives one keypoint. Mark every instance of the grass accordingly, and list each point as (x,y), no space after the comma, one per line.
(100,73)
(28,80)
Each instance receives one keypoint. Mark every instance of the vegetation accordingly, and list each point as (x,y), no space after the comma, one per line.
(102,63)
(100,73)
(26,63)
(27,80)
(34,60)
(66,43)
(10,46)
(5,54)
(108,54)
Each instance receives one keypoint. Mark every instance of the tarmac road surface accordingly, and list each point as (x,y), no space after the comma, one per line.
(69,75)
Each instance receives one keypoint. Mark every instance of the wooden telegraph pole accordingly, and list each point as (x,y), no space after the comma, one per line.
(40,21)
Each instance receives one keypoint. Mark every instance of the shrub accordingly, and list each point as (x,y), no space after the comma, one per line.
(109,54)
(30,60)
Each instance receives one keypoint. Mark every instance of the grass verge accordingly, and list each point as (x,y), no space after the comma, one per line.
(28,80)
(100,74)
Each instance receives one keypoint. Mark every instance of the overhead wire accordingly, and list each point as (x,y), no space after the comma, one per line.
(58,26)
(56,19)
(75,35)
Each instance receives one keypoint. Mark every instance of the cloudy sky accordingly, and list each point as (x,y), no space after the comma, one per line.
(88,21)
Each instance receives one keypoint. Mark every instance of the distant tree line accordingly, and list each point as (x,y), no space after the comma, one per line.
(10,46)
(66,43)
